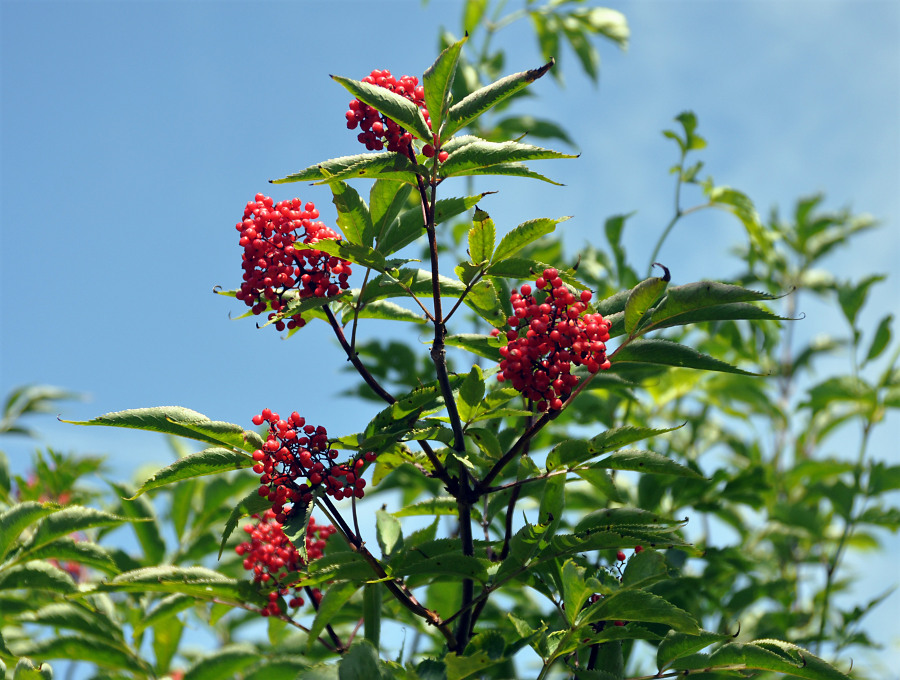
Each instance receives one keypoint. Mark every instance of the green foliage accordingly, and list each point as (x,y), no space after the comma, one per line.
(736,428)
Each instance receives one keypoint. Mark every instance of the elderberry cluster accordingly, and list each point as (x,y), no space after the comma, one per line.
(377,131)
(273,267)
(549,334)
(272,558)
(295,451)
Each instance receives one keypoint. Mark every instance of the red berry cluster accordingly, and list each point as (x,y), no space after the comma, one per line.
(294,451)
(377,131)
(549,333)
(271,556)
(272,266)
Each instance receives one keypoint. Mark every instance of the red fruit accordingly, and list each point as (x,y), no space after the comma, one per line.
(638,548)
(620,556)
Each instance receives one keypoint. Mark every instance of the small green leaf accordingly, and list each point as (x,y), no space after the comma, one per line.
(69,520)
(26,670)
(388,532)
(472,106)
(360,663)
(439,505)
(641,298)
(296,526)
(147,531)
(587,54)
(438,81)
(104,653)
(165,609)
(881,339)
(481,237)
(197,582)
(409,226)
(251,504)
(352,214)
(471,391)
(399,109)
(853,296)
(486,346)
(575,591)
(75,617)
(67,549)
(385,310)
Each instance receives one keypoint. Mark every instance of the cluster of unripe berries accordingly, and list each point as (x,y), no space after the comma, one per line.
(549,334)
(295,461)
(272,558)
(377,131)
(272,266)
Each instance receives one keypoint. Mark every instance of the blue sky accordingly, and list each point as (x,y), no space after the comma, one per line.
(134,132)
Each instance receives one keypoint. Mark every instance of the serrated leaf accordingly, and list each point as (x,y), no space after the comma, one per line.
(611,519)
(384,165)
(386,310)
(70,520)
(471,390)
(198,582)
(67,548)
(165,609)
(668,353)
(399,109)
(639,605)
(296,528)
(388,532)
(478,154)
(352,214)
(37,575)
(766,655)
(181,422)
(508,170)
(440,505)
(645,461)
(207,462)
(75,617)
(438,81)
(26,670)
(441,566)
(479,101)
(573,452)
(684,304)
(147,530)
(524,234)
(481,237)
(676,645)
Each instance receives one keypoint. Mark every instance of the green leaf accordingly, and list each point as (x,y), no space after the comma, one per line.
(645,461)
(853,296)
(26,670)
(439,505)
(335,598)
(438,81)
(610,519)
(207,462)
(385,310)
(516,126)
(483,299)
(698,301)
(147,530)
(410,225)
(668,353)
(639,605)
(481,237)
(76,617)
(471,391)
(641,298)
(37,575)
(352,214)
(354,252)
(461,667)
(587,54)
(644,569)
(573,452)
(296,528)
(181,422)
(16,518)
(104,653)
(198,582)
(416,280)
(510,170)
(676,645)
(472,106)
(69,520)
(486,346)
(399,109)
(386,199)
(575,591)
(67,548)
(881,338)
(765,655)
(361,662)
(250,504)
(224,663)
(389,533)
(384,165)
(607,22)
(526,233)
(167,607)
(472,153)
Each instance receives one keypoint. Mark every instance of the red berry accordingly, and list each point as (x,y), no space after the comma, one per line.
(620,556)
(638,548)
